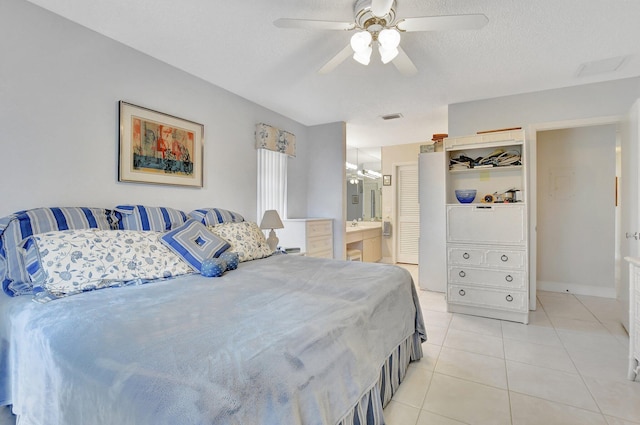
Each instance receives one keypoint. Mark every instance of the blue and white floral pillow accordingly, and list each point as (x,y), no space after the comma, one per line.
(68,262)
(245,238)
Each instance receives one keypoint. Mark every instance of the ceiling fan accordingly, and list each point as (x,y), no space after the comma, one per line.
(376,23)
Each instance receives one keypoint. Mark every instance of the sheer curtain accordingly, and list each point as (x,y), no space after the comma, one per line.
(272,182)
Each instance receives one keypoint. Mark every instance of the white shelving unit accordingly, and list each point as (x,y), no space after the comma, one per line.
(487,243)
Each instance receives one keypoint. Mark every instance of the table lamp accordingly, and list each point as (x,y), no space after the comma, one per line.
(271,220)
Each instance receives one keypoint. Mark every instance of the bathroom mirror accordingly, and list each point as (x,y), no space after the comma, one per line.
(364,184)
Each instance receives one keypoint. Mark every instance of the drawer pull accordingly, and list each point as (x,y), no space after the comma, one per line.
(504,258)
(462,273)
(462,293)
(509,278)
(465,255)
(509,298)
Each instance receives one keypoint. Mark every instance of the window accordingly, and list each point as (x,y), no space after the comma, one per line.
(272,182)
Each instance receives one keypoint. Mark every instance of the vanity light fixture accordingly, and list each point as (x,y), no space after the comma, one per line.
(372,174)
(351,166)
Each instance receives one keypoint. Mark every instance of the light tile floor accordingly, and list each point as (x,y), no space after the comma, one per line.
(568,366)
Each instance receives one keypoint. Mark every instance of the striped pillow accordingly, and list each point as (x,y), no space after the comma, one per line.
(213,216)
(20,225)
(140,217)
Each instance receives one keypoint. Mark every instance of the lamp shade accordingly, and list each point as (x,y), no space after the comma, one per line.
(389,38)
(363,56)
(360,41)
(271,220)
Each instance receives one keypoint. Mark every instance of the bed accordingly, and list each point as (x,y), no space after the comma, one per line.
(279,339)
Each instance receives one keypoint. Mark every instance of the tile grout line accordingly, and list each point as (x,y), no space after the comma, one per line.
(571,357)
(506,373)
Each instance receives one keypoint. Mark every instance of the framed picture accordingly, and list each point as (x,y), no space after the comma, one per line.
(355,199)
(386,180)
(159,148)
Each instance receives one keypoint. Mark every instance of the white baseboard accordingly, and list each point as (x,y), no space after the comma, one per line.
(572,288)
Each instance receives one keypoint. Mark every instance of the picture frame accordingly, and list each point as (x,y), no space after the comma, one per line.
(386,180)
(355,199)
(158,148)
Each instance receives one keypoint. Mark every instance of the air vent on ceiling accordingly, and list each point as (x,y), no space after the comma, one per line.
(601,66)
(391,117)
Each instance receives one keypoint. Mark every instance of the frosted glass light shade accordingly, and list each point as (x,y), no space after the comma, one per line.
(364,57)
(387,55)
(360,41)
(389,38)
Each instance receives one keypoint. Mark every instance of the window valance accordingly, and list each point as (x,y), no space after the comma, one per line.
(274,139)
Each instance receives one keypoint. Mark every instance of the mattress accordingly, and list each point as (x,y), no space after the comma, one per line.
(281,340)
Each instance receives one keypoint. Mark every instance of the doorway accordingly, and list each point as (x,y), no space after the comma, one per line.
(573,233)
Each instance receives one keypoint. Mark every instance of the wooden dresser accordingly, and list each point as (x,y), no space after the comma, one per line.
(314,236)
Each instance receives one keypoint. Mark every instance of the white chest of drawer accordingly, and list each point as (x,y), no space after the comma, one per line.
(487,263)
(314,236)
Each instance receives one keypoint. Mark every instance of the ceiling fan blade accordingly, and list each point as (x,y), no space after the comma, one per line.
(336,60)
(381,8)
(404,64)
(313,25)
(443,23)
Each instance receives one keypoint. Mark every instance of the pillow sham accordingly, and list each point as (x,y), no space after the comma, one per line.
(22,224)
(194,243)
(68,262)
(214,216)
(141,217)
(245,238)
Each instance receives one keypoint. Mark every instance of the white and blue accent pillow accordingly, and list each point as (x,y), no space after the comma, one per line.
(213,267)
(68,262)
(213,216)
(231,258)
(194,243)
(141,217)
(22,224)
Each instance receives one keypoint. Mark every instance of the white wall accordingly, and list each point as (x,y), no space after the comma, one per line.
(570,103)
(60,84)
(576,210)
(327,152)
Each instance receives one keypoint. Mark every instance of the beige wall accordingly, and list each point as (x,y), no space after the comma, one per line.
(393,156)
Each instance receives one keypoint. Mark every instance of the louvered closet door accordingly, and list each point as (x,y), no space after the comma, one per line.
(408,214)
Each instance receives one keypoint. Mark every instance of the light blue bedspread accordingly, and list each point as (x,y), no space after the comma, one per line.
(283,340)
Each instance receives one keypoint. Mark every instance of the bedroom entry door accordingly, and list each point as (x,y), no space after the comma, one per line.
(408,214)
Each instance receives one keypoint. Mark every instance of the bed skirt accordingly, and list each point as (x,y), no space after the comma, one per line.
(368,411)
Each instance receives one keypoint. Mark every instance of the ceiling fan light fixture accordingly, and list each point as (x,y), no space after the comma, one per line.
(363,56)
(389,38)
(387,55)
(361,41)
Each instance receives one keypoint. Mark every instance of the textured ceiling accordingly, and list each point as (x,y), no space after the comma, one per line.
(528,45)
